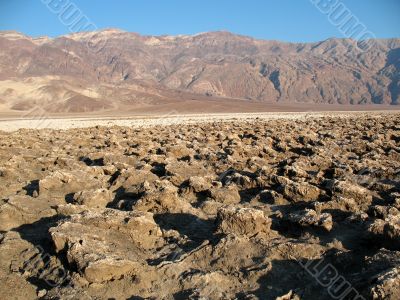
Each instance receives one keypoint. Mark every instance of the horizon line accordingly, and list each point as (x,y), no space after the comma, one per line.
(190,35)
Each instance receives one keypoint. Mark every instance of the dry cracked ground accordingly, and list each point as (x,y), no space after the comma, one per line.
(256,209)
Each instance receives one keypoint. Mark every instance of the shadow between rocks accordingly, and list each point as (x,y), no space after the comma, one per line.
(196,229)
(129,199)
(38,235)
(314,279)
(351,235)
(32,187)
(193,232)
(99,162)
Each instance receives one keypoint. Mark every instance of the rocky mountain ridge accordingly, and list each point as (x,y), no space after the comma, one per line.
(106,69)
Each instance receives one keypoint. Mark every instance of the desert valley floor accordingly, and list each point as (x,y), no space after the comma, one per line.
(263,206)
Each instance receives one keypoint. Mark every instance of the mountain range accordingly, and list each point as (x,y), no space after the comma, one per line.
(113,70)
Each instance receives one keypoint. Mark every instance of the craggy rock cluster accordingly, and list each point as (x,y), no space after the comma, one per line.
(225,210)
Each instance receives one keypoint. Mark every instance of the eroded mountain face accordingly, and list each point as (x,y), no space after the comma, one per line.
(124,68)
(225,210)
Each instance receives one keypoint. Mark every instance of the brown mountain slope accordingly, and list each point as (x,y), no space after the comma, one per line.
(127,68)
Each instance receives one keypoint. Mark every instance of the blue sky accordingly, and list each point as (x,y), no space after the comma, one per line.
(295,20)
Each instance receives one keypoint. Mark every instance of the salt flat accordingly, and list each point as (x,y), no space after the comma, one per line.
(40,122)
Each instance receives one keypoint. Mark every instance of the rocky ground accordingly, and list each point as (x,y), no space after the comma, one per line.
(251,209)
